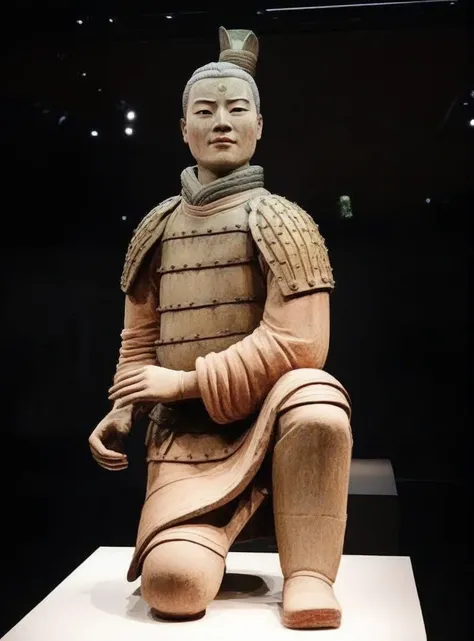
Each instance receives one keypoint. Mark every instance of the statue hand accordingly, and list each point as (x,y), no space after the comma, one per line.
(147,383)
(106,441)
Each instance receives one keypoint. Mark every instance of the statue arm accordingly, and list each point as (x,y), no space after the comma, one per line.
(141,324)
(293,333)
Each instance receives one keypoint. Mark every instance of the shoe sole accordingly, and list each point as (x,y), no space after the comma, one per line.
(312,619)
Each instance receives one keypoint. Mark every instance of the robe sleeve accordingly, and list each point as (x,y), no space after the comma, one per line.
(141,323)
(293,333)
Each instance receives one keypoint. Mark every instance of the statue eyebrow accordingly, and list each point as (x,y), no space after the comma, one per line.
(213,102)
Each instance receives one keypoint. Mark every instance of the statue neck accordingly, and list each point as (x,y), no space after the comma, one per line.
(242,179)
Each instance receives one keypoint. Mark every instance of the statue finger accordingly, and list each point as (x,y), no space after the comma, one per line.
(128,373)
(124,382)
(134,397)
(99,449)
(110,465)
(128,389)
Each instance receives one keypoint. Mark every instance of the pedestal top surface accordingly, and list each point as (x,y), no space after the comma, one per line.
(95,603)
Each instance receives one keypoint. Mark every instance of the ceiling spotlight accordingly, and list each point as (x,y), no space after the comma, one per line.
(471,122)
(80,21)
(124,218)
(128,131)
(111,19)
(131,115)
(169,17)
(94,133)
(84,74)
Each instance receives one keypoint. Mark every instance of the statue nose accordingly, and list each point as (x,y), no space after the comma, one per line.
(222,121)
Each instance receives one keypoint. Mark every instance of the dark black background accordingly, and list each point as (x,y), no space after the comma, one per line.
(373,104)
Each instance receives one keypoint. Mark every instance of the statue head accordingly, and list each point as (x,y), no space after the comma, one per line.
(221,107)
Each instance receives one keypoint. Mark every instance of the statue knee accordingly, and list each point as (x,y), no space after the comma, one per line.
(180,578)
(327,422)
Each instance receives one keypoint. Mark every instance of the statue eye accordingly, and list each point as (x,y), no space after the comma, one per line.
(239,109)
(203,112)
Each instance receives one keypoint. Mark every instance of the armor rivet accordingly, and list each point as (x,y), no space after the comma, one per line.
(171,307)
(273,242)
(287,243)
(197,335)
(280,278)
(193,231)
(185,265)
(171,339)
(311,283)
(293,286)
(216,262)
(191,303)
(183,233)
(259,240)
(198,264)
(298,266)
(190,456)
(215,300)
(182,338)
(229,260)
(283,262)
(271,262)
(174,233)
(179,304)
(176,458)
(209,231)
(207,455)
(238,299)
(223,229)
(280,233)
(238,226)
(172,266)
(226,451)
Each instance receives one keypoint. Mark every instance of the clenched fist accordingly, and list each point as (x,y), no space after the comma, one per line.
(147,383)
(106,441)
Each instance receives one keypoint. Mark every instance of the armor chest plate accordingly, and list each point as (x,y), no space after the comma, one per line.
(212,290)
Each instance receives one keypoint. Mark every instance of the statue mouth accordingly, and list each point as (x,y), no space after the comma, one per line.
(221,140)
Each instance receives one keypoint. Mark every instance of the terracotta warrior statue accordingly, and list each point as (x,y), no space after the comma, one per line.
(225,335)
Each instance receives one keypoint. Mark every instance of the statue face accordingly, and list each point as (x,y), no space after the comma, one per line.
(222,125)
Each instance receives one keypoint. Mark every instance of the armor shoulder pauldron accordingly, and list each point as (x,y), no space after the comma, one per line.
(145,236)
(291,243)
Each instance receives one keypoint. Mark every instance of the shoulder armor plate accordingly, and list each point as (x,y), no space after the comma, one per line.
(145,236)
(290,242)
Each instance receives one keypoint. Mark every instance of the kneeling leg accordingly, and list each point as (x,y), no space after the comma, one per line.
(180,579)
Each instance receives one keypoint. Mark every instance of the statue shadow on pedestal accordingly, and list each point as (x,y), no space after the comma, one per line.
(239,588)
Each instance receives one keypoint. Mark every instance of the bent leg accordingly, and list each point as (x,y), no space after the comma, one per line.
(311,466)
(180,578)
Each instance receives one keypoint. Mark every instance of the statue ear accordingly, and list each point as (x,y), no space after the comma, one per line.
(184,132)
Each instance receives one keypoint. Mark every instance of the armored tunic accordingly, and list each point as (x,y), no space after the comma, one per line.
(212,289)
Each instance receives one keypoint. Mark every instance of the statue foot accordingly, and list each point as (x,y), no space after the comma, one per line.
(309,603)
(176,617)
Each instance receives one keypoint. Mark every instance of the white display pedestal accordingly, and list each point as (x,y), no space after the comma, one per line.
(95,603)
